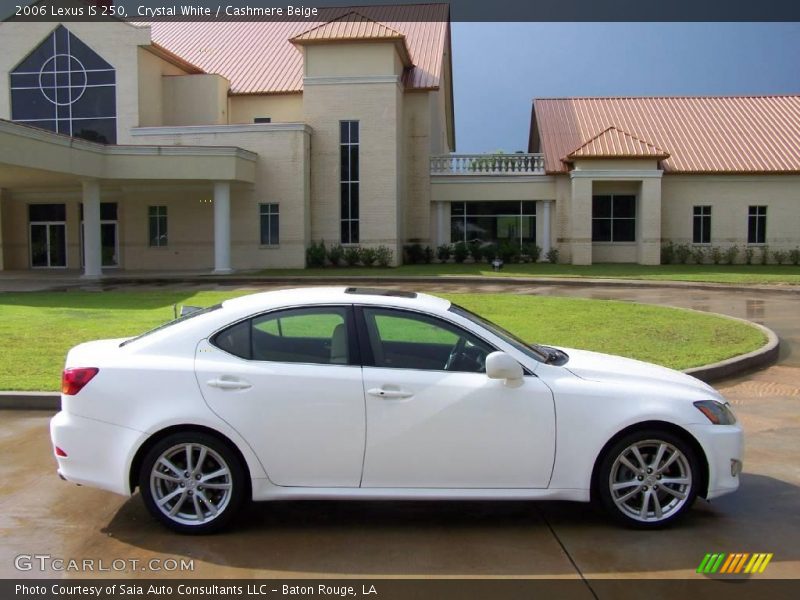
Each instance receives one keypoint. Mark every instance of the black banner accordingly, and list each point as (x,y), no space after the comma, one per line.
(460,10)
(399,589)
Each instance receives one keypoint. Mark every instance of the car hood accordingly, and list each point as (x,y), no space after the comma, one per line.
(595,366)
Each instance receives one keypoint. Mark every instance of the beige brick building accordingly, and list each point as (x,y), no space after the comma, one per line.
(233,146)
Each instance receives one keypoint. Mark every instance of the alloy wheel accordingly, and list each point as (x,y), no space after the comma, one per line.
(650,480)
(191,484)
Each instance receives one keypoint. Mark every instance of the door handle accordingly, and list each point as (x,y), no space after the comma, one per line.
(390,394)
(225,383)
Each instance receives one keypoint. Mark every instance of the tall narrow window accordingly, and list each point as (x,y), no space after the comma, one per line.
(157,221)
(269,224)
(348,152)
(701,226)
(614,218)
(757,225)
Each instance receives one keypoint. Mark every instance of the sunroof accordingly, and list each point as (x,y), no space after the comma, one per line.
(364,291)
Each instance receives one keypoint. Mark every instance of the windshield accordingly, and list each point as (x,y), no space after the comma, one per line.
(535,351)
(191,315)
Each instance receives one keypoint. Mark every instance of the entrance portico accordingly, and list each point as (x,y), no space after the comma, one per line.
(586,242)
(43,169)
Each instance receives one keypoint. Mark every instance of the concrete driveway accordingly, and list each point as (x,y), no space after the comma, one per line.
(41,514)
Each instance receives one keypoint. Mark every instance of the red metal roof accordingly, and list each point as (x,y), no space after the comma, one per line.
(615,143)
(354,26)
(717,134)
(259,58)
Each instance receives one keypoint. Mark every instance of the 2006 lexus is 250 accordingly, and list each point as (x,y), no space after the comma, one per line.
(351,393)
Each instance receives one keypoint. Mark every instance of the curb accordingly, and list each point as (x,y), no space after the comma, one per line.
(444,279)
(737,365)
(30,401)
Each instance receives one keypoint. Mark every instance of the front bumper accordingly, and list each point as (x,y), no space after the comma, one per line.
(99,454)
(724,448)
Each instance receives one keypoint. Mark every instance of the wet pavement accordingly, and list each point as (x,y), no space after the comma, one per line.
(41,514)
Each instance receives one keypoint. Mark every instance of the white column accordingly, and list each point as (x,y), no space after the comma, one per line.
(545,217)
(222,227)
(580,219)
(441,223)
(92,261)
(648,218)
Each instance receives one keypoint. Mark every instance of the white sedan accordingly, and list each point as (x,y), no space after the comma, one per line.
(351,393)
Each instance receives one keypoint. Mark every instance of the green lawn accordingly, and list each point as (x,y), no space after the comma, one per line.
(736,274)
(38,328)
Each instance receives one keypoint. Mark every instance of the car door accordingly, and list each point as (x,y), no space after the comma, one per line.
(435,420)
(289,382)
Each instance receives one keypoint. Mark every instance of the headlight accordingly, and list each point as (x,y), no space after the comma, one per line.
(717,412)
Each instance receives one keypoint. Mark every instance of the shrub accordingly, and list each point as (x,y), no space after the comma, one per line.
(794,256)
(367,256)
(460,252)
(490,252)
(427,255)
(414,254)
(667,252)
(352,256)
(715,255)
(383,256)
(749,253)
(532,251)
(443,252)
(731,253)
(335,254)
(552,255)
(698,255)
(475,250)
(780,256)
(509,252)
(682,253)
(315,254)
(764,255)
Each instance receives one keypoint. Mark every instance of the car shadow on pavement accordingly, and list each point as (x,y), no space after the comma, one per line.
(473,538)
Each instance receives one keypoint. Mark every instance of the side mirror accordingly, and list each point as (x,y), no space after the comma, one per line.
(500,365)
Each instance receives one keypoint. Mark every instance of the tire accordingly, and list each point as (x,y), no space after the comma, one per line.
(202,498)
(625,483)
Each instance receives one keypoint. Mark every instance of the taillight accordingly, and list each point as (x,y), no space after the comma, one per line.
(60,452)
(74,378)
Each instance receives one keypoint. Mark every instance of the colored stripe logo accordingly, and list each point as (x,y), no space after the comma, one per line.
(735,563)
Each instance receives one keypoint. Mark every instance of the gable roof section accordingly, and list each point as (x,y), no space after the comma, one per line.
(712,134)
(258,57)
(354,27)
(351,26)
(616,143)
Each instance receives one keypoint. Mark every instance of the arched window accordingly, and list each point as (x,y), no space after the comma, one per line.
(64,86)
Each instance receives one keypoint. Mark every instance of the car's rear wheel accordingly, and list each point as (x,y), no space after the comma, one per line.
(648,479)
(192,482)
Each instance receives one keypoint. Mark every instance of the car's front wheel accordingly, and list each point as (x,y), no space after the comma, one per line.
(192,482)
(648,479)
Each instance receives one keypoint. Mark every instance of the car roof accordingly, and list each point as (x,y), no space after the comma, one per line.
(336,295)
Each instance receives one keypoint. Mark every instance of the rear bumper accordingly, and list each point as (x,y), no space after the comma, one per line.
(722,444)
(98,454)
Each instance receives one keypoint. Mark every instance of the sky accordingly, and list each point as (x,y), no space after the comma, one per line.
(498,68)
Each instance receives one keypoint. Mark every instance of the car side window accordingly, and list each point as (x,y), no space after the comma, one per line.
(406,340)
(317,335)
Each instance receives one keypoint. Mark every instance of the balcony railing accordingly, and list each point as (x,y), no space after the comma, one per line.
(488,164)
